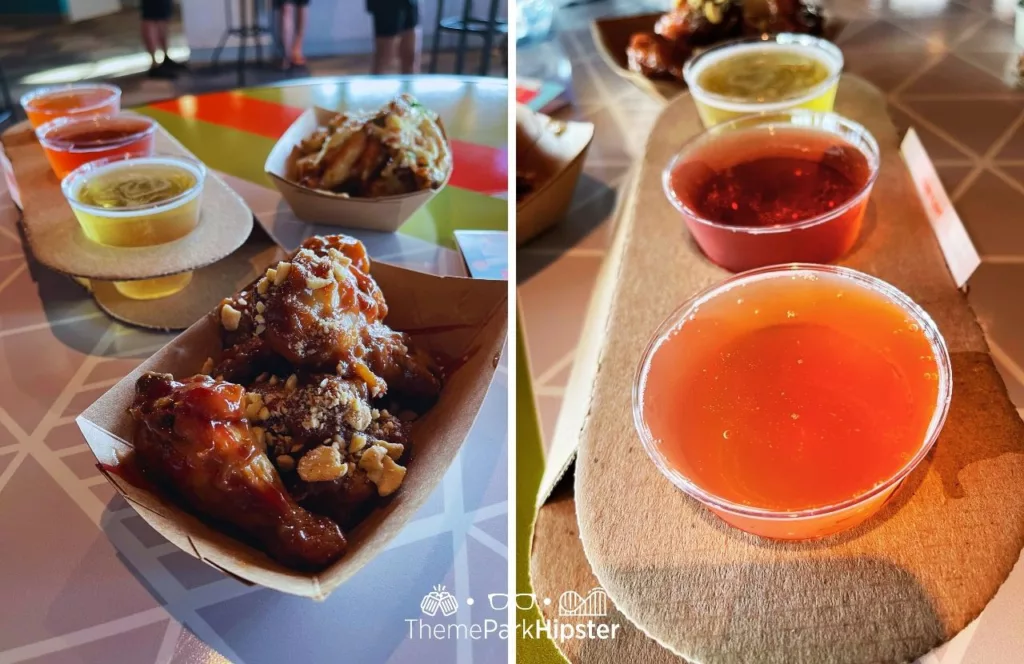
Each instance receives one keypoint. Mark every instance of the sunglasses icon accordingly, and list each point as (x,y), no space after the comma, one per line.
(523,601)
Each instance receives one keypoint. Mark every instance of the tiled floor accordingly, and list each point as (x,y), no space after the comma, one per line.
(948,69)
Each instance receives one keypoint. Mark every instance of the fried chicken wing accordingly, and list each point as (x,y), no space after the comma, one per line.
(656,57)
(322,311)
(693,24)
(337,454)
(195,437)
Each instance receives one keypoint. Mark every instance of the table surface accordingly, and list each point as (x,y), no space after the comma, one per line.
(947,68)
(85,579)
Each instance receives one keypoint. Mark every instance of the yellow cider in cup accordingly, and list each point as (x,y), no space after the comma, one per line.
(768,74)
(138,202)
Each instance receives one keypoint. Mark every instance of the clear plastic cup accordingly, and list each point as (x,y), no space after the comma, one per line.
(805,522)
(821,238)
(83,99)
(73,141)
(143,225)
(715,108)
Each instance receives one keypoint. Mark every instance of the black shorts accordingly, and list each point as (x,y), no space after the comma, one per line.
(393,17)
(156,10)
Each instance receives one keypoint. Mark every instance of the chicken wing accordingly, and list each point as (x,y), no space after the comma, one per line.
(323,312)
(336,453)
(194,436)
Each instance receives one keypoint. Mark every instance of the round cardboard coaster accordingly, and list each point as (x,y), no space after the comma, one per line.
(888,591)
(57,241)
(208,286)
(557,565)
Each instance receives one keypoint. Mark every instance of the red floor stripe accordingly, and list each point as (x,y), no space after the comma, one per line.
(478,168)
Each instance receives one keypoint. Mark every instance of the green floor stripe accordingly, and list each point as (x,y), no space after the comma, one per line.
(232,151)
(529,468)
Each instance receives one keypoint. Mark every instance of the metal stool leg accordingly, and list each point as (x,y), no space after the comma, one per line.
(7,111)
(460,53)
(257,32)
(229,23)
(485,55)
(435,49)
(242,37)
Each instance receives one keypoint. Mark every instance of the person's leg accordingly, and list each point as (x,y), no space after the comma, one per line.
(155,14)
(149,38)
(385,52)
(162,28)
(410,38)
(386,28)
(287,33)
(301,15)
(409,50)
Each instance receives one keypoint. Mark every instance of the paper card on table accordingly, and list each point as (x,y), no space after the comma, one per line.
(12,184)
(485,253)
(541,96)
(961,256)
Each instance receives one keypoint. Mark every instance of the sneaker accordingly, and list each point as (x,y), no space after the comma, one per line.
(174,64)
(162,71)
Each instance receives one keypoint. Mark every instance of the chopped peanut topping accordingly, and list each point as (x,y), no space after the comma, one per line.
(358,442)
(391,478)
(207,366)
(252,411)
(285,462)
(292,382)
(372,462)
(230,317)
(322,464)
(262,285)
(281,273)
(395,450)
(313,283)
(382,470)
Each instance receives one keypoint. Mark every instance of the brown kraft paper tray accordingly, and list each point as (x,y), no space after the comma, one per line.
(553,151)
(383,213)
(456,317)
(890,590)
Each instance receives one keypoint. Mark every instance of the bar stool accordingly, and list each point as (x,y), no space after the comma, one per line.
(7,108)
(465,26)
(249,26)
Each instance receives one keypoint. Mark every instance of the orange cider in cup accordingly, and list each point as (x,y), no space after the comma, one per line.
(47,104)
(73,142)
(794,400)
